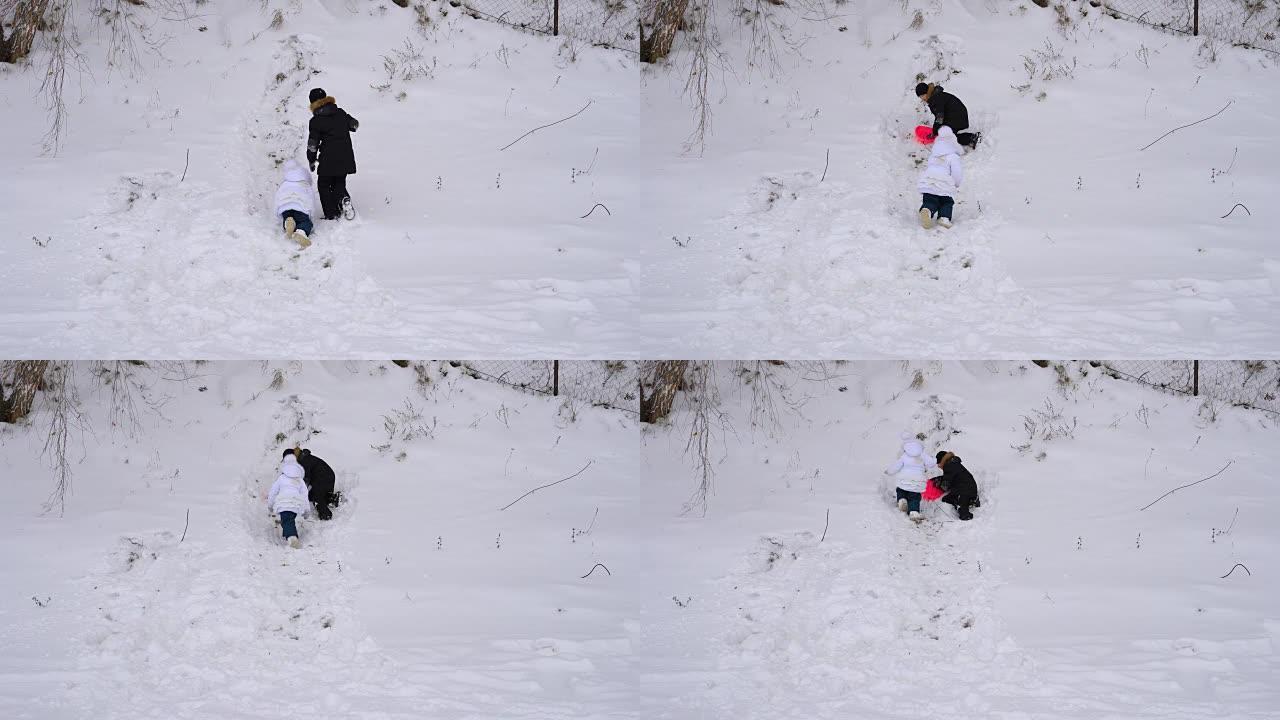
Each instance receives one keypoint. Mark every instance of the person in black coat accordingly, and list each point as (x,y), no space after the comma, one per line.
(947,110)
(329,144)
(958,484)
(320,478)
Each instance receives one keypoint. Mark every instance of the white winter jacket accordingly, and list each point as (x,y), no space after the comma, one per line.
(911,469)
(943,173)
(295,192)
(289,492)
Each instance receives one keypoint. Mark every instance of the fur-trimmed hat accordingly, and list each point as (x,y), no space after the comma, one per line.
(317,94)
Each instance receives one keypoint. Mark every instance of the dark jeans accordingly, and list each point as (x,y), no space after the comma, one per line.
(962,505)
(333,189)
(323,500)
(912,498)
(287,524)
(302,219)
(937,205)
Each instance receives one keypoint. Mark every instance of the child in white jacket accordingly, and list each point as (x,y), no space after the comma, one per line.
(941,179)
(294,202)
(910,472)
(288,498)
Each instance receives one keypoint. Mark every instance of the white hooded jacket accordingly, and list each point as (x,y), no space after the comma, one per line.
(910,469)
(289,492)
(943,173)
(295,192)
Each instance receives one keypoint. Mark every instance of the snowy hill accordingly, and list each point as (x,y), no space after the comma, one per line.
(792,230)
(1062,599)
(421,598)
(151,232)
(802,592)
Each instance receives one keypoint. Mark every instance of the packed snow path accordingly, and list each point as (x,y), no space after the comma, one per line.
(215,626)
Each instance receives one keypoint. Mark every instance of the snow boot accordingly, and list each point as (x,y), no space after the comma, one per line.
(290,227)
(301,237)
(944,222)
(926,218)
(915,516)
(902,504)
(294,542)
(348,210)
(964,513)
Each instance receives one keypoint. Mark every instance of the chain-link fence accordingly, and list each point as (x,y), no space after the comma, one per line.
(1244,23)
(601,383)
(1243,383)
(603,23)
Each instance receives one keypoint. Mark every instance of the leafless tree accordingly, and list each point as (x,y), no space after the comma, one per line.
(659,383)
(131,24)
(19,394)
(705,419)
(27,18)
(667,18)
(65,421)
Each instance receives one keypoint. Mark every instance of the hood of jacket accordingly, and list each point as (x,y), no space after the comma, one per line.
(290,468)
(295,171)
(946,142)
(912,448)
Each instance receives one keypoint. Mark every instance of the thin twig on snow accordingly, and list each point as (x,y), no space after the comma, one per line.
(825,526)
(542,127)
(1233,569)
(1180,487)
(1180,127)
(540,487)
(1233,209)
(185,165)
(593,209)
(825,165)
(593,569)
(185,526)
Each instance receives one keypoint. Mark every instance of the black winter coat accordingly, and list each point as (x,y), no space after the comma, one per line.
(958,483)
(948,110)
(329,137)
(318,475)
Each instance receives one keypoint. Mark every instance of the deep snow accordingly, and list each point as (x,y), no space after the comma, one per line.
(1069,239)
(1061,599)
(118,247)
(419,599)
(422,598)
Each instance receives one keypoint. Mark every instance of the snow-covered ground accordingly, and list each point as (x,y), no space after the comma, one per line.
(1070,238)
(1062,599)
(801,593)
(119,246)
(421,598)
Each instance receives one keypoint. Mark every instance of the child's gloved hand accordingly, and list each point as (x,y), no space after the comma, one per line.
(313,165)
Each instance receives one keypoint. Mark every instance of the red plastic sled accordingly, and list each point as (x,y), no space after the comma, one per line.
(924,134)
(931,491)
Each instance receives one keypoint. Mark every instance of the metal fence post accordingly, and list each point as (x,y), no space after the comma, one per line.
(555,20)
(1195,364)
(555,375)
(1195,19)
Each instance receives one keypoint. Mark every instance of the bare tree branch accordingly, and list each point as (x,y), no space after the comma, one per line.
(1180,487)
(540,487)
